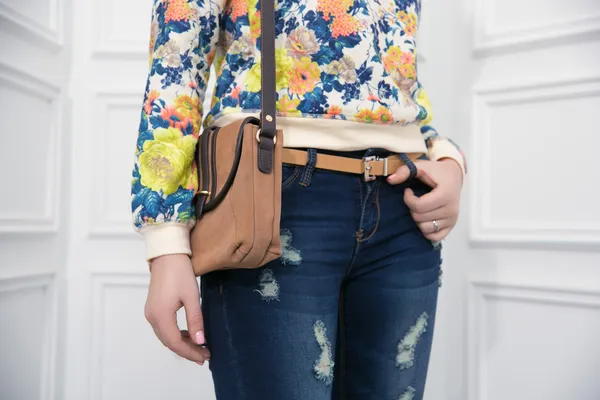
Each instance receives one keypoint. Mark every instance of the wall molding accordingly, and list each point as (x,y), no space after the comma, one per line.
(480,292)
(109,45)
(492,39)
(45,282)
(522,232)
(101,281)
(48,36)
(101,224)
(52,94)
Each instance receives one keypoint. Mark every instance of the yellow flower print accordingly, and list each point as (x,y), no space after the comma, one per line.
(408,71)
(394,54)
(305,76)
(403,16)
(252,81)
(392,58)
(189,108)
(165,163)
(382,114)
(413,18)
(252,6)
(254,18)
(288,106)
(365,115)
(410,28)
(423,101)
(283,64)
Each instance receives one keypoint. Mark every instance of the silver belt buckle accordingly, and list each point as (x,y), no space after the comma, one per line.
(367,167)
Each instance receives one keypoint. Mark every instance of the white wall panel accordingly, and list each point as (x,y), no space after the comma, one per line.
(532,343)
(508,23)
(128,361)
(29,153)
(40,21)
(114,133)
(27,329)
(122,28)
(533,146)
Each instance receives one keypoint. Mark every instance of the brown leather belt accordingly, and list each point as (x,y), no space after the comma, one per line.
(369,167)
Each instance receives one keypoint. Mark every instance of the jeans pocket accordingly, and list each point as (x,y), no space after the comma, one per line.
(289,175)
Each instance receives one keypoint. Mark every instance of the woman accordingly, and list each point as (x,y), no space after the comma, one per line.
(348,310)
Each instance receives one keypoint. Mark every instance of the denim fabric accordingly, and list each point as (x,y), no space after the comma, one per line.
(347,312)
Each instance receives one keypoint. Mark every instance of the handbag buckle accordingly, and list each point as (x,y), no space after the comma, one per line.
(258,137)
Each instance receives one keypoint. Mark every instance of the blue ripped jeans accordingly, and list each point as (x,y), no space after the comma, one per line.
(347,312)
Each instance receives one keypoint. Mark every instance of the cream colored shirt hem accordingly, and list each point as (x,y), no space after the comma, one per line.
(167,238)
(343,135)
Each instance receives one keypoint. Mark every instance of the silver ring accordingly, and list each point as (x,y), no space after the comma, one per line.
(436,227)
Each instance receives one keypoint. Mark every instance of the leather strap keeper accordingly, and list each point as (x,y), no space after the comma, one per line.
(370,167)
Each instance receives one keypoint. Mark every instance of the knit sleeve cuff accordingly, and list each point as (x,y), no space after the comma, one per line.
(442,148)
(167,238)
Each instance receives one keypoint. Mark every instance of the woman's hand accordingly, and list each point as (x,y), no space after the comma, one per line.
(441,204)
(173,285)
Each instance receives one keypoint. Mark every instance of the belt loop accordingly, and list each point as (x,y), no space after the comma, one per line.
(309,168)
(410,164)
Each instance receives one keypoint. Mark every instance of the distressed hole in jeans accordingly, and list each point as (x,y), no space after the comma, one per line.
(406,348)
(269,287)
(409,394)
(324,364)
(289,254)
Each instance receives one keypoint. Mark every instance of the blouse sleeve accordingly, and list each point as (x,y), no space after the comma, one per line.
(182,46)
(439,147)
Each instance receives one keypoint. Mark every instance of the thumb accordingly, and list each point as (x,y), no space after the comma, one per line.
(195,322)
(401,175)
(423,174)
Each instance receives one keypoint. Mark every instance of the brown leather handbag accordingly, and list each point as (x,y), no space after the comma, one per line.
(238,205)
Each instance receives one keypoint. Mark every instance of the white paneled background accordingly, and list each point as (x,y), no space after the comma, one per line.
(515,82)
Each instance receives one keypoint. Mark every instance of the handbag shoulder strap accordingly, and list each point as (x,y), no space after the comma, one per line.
(268,127)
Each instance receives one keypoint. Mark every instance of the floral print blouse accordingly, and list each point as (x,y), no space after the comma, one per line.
(353,60)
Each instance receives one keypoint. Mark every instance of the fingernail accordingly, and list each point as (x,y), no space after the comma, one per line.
(200,337)
(200,363)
